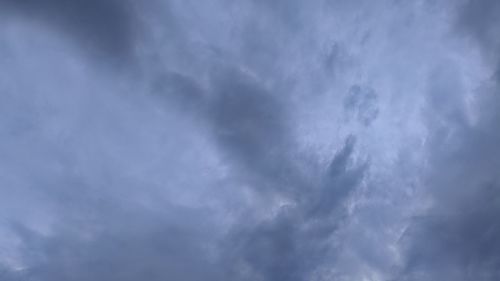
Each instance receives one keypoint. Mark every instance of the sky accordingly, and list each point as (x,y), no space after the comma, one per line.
(263,140)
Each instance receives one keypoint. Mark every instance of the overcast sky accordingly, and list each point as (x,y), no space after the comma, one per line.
(250,140)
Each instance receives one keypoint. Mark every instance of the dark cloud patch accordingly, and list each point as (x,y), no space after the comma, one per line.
(361,103)
(336,59)
(249,125)
(339,181)
(461,241)
(8,275)
(479,20)
(181,91)
(175,244)
(458,237)
(106,28)
(296,243)
(287,13)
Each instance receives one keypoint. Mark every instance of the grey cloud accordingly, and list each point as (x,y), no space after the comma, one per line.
(110,212)
(288,13)
(106,28)
(458,236)
(336,59)
(7,275)
(340,180)
(179,90)
(249,125)
(478,20)
(296,243)
(226,156)
(174,244)
(362,103)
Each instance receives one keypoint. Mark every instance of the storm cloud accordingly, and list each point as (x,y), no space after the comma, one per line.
(249,140)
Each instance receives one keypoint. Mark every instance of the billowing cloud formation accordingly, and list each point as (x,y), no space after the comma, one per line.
(250,140)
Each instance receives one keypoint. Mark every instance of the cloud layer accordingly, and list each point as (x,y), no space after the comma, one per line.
(250,140)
